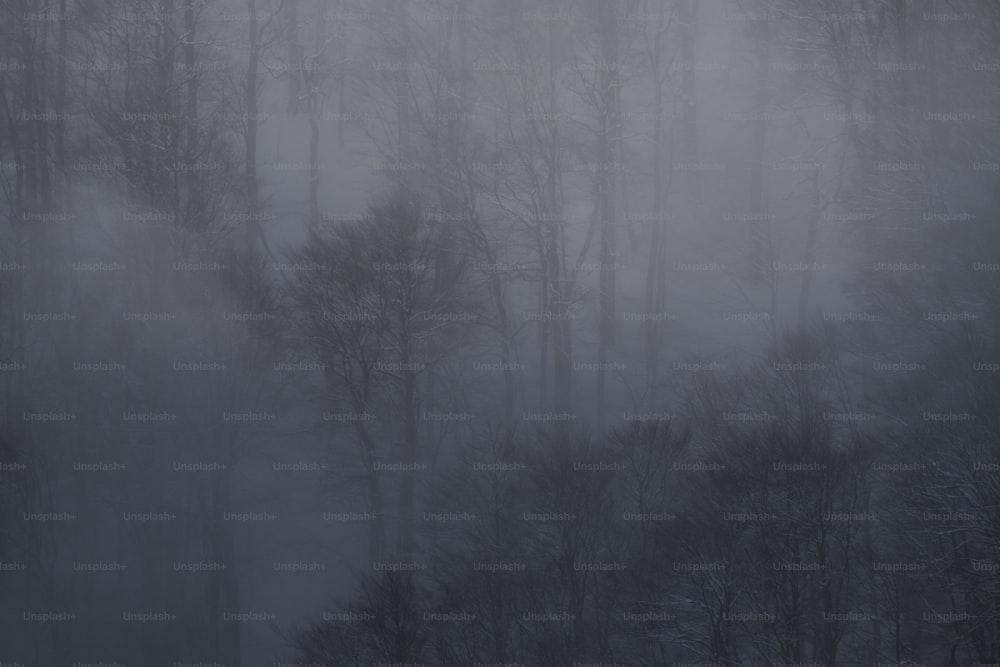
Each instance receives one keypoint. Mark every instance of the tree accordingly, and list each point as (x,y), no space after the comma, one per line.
(373,313)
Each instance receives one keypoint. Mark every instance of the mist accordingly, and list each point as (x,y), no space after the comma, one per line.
(499,332)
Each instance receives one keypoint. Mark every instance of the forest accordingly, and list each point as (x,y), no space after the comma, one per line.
(499,333)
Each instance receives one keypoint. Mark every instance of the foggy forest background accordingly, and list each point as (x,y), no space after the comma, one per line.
(517,332)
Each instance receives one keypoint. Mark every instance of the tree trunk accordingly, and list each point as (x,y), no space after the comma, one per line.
(253,194)
(610,135)
(655,269)
(688,16)
(810,250)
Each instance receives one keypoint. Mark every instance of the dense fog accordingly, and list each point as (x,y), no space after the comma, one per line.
(499,333)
